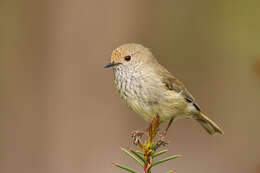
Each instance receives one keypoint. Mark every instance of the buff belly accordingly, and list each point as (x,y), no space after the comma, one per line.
(167,106)
(150,100)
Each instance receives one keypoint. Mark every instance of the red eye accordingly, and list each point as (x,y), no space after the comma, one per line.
(128,58)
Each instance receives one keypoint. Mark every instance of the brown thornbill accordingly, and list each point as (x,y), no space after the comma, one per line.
(150,90)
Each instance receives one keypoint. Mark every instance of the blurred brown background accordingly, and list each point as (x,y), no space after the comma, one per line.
(59,110)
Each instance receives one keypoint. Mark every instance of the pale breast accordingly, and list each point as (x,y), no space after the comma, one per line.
(145,94)
(135,90)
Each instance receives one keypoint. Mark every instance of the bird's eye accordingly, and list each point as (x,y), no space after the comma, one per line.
(128,58)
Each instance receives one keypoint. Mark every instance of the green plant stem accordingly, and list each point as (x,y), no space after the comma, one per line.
(133,157)
(165,160)
(140,156)
(159,153)
(124,168)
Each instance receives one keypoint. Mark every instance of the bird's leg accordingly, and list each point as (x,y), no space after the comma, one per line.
(139,133)
(163,135)
(168,126)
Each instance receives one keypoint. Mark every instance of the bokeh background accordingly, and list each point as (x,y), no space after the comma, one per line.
(59,110)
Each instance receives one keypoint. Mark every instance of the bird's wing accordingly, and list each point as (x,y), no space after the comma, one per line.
(172,83)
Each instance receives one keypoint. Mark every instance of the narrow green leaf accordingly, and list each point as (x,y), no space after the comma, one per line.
(140,156)
(139,152)
(133,157)
(166,159)
(124,168)
(159,153)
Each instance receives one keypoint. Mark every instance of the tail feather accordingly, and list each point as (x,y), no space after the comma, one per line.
(208,124)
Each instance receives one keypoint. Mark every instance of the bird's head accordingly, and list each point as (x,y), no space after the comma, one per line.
(130,55)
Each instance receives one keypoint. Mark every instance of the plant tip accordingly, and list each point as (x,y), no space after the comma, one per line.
(114,164)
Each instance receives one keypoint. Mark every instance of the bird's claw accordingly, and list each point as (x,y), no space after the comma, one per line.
(163,139)
(137,135)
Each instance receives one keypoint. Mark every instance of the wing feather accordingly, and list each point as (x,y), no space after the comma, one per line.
(172,83)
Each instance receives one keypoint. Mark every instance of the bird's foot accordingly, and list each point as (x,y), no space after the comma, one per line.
(163,142)
(164,133)
(163,139)
(137,136)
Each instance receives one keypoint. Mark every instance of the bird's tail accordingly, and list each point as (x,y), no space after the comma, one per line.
(208,124)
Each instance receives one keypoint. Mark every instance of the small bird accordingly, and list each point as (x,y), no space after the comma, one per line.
(150,90)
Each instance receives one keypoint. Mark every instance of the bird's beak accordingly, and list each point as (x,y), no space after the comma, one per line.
(111,64)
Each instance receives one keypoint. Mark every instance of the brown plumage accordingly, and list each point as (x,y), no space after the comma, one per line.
(150,90)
